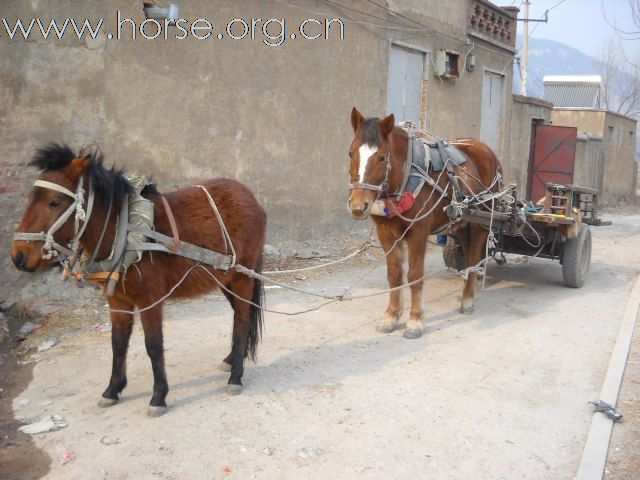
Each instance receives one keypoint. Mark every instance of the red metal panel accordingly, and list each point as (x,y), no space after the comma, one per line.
(554,156)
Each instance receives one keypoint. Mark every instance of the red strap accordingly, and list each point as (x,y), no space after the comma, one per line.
(394,207)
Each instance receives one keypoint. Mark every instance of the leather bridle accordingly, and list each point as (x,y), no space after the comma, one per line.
(380,189)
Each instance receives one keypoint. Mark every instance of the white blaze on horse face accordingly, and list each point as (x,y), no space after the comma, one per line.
(366,152)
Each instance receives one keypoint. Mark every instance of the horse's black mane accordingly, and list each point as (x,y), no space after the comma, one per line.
(109,184)
(370,132)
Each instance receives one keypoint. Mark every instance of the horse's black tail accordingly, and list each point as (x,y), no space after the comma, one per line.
(255,315)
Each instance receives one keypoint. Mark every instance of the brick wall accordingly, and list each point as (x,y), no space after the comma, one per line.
(492,21)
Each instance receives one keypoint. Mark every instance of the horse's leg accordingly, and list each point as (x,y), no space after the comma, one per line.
(394,278)
(417,244)
(243,287)
(463,234)
(121,325)
(475,253)
(225,365)
(152,325)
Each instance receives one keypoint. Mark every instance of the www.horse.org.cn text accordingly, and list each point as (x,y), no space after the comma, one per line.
(272,32)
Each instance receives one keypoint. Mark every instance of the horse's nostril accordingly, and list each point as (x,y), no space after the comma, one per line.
(366,206)
(19,259)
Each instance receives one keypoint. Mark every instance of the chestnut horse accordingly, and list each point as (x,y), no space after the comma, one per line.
(378,154)
(155,274)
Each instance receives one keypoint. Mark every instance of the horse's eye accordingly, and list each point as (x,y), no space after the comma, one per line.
(382,158)
(54,204)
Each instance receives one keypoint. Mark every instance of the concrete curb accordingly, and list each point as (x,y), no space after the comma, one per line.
(595,451)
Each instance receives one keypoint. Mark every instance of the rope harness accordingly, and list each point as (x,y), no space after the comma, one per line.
(453,191)
(205,258)
(173,245)
(394,204)
(51,248)
(109,270)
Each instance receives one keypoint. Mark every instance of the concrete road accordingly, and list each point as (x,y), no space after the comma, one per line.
(501,394)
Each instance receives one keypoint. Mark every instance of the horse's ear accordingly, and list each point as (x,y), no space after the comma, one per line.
(387,124)
(356,119)
(78,166)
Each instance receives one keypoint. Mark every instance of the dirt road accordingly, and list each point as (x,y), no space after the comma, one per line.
(501,394)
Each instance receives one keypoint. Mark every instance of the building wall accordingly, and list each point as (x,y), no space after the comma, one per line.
(447,17)
(587,121)
(275,118)
(453,108)
(526,111)
(589,166)
(618,171)
(620,151)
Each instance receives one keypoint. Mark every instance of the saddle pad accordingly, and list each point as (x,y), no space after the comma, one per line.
(418,153)
(417,160)
(455,156)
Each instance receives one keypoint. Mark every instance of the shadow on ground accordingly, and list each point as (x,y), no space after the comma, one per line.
(19,457)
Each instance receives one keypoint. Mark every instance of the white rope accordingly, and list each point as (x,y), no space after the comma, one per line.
(225,234)
(251,273)
(418,216)
(323,265)
(54,186)
(481,267)
(331,298)
(525,223)
(482,198)
(162,299)
(50,248)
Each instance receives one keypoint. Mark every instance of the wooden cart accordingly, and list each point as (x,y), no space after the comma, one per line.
(556,228)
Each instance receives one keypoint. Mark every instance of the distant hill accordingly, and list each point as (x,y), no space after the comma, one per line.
(547,57)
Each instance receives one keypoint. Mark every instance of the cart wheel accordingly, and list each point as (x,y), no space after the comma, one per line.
(453,255)
(576,258)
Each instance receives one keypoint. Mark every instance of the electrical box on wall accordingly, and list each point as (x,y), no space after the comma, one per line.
(471,63)
(447,64)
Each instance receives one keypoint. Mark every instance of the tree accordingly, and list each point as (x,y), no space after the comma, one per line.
(621,77)
(634,14)
(620,92)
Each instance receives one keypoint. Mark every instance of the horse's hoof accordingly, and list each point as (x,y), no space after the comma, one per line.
(467,307)
(412,333)
(385,327)
(154,411)
(107,402)
(224,366)
(233,389)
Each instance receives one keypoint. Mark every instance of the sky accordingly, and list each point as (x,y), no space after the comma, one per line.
(581,23)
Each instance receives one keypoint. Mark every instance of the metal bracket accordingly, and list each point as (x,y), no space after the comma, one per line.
(608,410)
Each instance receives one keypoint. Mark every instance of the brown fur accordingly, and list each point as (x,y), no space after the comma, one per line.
(156,273)
(483,166)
